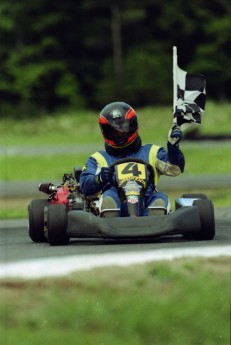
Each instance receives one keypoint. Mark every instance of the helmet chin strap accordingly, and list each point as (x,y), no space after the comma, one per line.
(134,146)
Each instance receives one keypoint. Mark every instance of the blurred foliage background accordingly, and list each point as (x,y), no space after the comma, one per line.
(83,54)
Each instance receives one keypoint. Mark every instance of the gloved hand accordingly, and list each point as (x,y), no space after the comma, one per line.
(105,175)
(175,135)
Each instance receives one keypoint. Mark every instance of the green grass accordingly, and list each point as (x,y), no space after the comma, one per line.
(198,161)
(216,119)
(51,167)
(214,160)
(82,127)
(68,128)
(165,303)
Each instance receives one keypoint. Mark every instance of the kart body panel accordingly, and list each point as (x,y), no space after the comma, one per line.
(83,225)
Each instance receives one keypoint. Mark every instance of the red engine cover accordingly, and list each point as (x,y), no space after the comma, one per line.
(61,196)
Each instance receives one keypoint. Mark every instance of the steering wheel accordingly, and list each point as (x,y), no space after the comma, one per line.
(136,160)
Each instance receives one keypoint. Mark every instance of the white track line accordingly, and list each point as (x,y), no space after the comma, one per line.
(59,266)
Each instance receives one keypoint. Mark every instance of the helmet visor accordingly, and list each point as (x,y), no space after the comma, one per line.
(119,133)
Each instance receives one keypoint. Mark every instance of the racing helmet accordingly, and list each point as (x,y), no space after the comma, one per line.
(118,124)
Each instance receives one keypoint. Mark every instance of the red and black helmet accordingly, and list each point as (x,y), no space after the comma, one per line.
(118,124)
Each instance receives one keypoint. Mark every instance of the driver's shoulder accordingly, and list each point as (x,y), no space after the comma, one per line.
(150,148)
(101,157)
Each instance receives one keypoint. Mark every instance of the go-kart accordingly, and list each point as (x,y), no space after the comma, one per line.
(67,213)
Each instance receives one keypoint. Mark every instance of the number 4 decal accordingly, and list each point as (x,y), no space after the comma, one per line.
(126,170)
(131,168)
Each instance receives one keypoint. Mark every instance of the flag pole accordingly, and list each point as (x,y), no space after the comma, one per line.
(174,78)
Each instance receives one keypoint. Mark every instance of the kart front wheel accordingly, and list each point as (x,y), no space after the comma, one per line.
(57,225)
(36,219)
(206,211)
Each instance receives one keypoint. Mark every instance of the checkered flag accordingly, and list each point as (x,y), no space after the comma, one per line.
(189,96)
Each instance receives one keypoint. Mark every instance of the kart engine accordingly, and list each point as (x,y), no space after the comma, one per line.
(69,193)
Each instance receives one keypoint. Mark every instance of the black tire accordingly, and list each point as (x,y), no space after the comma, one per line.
(194,196)
(57,225)
(36,220)
(206,211)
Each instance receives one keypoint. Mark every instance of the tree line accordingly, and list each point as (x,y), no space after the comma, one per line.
(85,53)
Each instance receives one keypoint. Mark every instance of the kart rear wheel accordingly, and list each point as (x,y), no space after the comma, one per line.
(36,219)
(206,211)
(57,225)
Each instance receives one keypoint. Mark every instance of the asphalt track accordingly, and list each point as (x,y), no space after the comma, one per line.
(17,248)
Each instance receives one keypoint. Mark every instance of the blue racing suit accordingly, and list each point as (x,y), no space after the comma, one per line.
(170,163)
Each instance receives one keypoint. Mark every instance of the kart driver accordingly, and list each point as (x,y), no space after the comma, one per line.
(119,127)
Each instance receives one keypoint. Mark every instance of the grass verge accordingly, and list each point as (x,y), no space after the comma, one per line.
(82,127)
(198,161)
(181,302)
